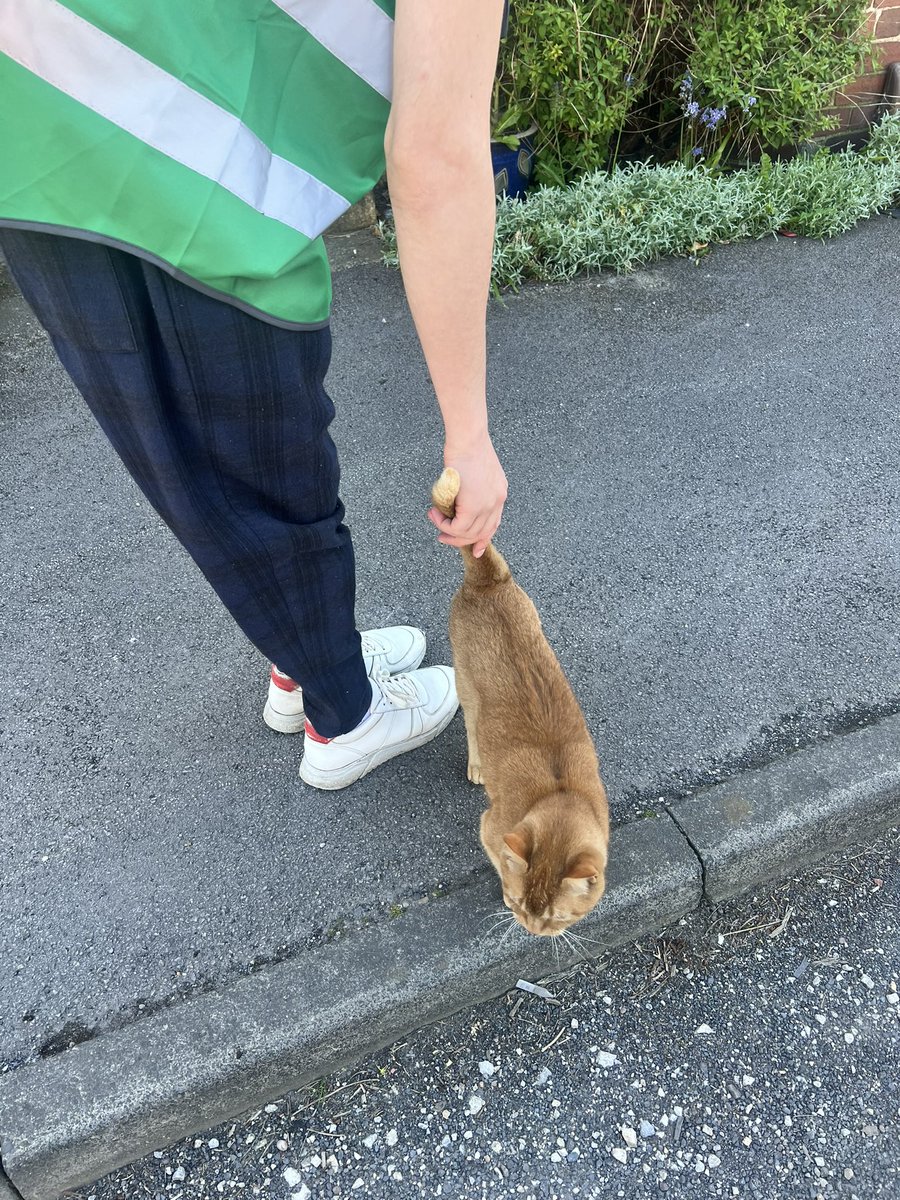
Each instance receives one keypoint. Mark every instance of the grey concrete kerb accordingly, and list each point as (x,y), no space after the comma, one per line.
(760,825)
(69,1119)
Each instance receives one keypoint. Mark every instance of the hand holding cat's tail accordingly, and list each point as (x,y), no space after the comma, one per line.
(445,491)
(491,567)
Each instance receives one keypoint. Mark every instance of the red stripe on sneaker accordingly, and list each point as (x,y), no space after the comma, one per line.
(283,681)
(316,737)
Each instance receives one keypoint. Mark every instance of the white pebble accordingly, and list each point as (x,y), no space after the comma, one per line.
(178,1175)
(213,1143)
(605,1059)
(629,1136)
(647,1130)
(292,1176)
(868,980)
(476,1104)
(357,1183)
(747,1080)
(487,1069)
(281,1145)
(370,1141)
(704,1028)
(620,1155)
(303,1194)
(542,1077)
(849,1037)
(893,997)
(496,1147)
(713,1160)
(390,1138)
(270,1108)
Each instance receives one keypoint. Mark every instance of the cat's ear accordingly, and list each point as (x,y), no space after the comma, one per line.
(518,845)
(583,871)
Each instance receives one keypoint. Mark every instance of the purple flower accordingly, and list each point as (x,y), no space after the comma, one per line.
(686,87)
(691,109)
(749,101)
(696,152)
(711,117)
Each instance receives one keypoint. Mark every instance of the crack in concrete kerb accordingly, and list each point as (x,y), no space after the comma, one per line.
(701,864)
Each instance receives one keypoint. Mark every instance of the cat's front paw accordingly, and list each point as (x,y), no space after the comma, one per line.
(474,773)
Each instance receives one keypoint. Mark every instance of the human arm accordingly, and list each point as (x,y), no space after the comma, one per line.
(445,58)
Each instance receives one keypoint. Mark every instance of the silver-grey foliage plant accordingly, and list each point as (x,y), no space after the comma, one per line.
(641,212)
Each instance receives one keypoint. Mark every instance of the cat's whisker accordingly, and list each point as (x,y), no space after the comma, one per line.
(555,942)
(497,926)
(510,929)
(581,937)
(498,919)
(501,914)
(572,942)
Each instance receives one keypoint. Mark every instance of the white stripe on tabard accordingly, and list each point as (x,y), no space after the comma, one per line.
(357,32)
(133,93)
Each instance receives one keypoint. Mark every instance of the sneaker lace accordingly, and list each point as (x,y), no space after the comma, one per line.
(370,646)
(399,689)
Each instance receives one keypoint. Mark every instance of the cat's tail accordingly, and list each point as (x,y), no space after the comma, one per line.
(491,568)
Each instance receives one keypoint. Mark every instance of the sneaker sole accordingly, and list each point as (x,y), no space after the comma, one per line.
(284,722)
(332,781)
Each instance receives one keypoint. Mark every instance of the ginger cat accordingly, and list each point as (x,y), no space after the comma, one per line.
(547,828)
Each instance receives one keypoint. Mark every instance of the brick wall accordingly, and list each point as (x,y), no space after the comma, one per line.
(858,104)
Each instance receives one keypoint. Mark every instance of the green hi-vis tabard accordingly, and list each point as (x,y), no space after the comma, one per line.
(217,140)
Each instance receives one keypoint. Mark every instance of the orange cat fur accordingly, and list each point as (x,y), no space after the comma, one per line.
(547,828)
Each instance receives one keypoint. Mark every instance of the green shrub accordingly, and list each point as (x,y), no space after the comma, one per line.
(573,69)
(692,78)
(762,74)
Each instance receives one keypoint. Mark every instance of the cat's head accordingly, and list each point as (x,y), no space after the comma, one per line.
(548,885)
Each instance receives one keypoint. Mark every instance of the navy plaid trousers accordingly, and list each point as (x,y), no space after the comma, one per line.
(222,420)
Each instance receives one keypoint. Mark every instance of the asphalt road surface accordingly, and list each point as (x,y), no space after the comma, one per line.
(750,1051)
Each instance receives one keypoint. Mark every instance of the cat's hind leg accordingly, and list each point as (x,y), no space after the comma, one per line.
(470,715)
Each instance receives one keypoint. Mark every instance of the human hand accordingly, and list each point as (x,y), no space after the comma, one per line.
(482,494)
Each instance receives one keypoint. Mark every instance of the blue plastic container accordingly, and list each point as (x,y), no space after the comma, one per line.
(514,169)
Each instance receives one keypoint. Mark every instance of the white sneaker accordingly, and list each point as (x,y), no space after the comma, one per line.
(407,711)
(400,648)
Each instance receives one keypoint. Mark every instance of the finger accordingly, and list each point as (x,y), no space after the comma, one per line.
(437,518)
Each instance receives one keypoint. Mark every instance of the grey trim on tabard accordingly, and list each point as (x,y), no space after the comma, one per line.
(88,235)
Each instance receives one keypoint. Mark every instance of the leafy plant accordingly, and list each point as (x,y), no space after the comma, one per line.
(574,69)
(696,79)
(761,74)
